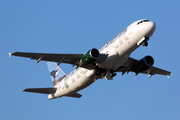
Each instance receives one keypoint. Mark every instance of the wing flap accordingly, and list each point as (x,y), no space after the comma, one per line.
(41,90)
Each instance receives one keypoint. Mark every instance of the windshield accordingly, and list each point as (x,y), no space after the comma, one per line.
(142,21)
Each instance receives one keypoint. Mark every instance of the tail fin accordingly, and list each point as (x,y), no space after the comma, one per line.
(55,72)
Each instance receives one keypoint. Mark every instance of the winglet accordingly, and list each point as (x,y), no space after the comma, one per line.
(10,54)
(168,74)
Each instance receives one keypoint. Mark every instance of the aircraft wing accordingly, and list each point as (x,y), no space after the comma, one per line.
(73,59)
(66,58)
(130,63)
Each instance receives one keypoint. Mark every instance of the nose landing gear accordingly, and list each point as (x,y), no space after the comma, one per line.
(143,41)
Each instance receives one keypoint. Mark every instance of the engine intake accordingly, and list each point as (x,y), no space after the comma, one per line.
(144,64)
(90,56)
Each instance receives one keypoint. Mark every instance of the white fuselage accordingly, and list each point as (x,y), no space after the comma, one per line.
(118,51)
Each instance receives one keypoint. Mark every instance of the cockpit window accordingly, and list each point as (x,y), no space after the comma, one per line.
(146,20)
(142,21)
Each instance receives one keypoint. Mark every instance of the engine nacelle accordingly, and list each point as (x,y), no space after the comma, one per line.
(144,64)
(90,56)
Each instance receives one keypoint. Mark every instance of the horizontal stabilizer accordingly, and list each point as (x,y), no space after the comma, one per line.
(41,90)
(76,95)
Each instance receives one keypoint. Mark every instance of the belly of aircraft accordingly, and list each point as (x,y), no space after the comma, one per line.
(114,60)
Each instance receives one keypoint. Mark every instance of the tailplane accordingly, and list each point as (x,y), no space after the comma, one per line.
(55,72)
(41,90)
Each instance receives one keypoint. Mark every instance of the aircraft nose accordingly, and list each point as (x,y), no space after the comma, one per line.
(150,28)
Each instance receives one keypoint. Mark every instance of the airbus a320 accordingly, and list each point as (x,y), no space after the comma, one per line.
(96,64)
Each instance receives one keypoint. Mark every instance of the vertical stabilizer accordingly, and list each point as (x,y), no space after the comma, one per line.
(55,72)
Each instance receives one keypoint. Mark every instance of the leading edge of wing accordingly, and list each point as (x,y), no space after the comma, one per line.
(67,58)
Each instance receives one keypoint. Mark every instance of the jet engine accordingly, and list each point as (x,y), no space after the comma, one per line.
(144,64)
(90,56)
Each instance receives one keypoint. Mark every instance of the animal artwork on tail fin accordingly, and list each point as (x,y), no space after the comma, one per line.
(55,72)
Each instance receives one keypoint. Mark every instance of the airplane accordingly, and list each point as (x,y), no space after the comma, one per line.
(96,64)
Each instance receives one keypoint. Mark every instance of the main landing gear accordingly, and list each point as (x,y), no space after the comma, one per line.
(113,74)
(108,74)
(145,44)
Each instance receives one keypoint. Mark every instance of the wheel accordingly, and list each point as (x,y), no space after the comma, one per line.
(113,74)
(145,44)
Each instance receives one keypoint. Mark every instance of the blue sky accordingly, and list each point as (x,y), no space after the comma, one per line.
(75,27)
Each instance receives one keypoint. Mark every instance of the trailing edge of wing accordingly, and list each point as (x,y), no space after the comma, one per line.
(154,70)
(41,90)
